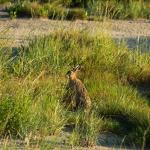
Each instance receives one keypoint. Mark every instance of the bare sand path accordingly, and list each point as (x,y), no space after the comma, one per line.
(20,31)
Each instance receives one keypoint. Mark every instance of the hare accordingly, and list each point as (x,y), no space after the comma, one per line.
(76,95)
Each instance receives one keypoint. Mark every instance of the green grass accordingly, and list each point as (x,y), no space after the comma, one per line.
(47,10)
(81,9)
(131,9)
(33,82)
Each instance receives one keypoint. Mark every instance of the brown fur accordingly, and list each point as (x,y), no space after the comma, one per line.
(76,95)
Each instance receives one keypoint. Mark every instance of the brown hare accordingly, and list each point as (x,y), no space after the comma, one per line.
(76,95)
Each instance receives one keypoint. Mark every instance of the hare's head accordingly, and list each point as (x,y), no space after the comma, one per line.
(71,74)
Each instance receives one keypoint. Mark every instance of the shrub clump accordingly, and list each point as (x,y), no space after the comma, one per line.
(55,12)
(76,13)
(27,9)
(69,9)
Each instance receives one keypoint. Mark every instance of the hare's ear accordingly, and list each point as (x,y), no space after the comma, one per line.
(68,74)
(78,67)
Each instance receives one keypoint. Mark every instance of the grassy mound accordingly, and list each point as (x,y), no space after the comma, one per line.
(33,81)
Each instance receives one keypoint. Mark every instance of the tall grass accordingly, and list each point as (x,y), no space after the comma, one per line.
(114,9)
(82,9)
(33,83)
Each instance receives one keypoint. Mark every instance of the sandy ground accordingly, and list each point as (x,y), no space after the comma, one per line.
(20,31)
(58,143)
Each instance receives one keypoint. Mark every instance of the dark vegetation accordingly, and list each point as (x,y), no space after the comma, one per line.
(32,84)
(81,9)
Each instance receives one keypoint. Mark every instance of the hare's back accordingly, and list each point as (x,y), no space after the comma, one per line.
(82,92)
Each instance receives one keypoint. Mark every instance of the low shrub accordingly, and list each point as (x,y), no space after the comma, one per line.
(38,10)
(134,10)
(4,1)
(108,9)
(51,11)
(16,113)
(55,12)
(146,10)
(76,13)
(61,9)
(119,9)
(31,110)
(28,9)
